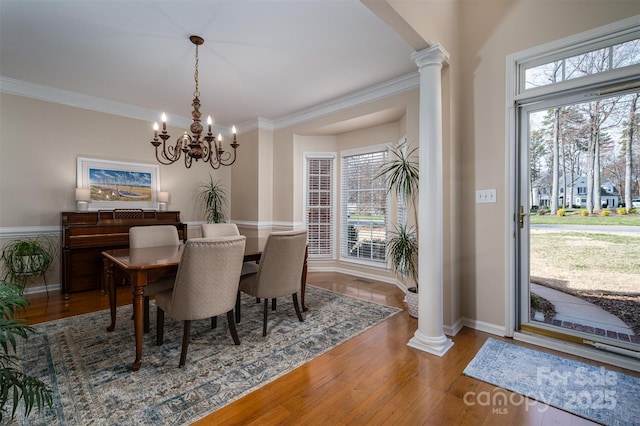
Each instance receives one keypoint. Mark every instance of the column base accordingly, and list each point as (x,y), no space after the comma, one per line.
(436,346)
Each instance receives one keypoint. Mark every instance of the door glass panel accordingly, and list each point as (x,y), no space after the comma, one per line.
(582,194)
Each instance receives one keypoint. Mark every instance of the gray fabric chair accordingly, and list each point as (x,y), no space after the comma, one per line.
(154,236)
(210,230)
(206,286)
(279,270)
(226,230)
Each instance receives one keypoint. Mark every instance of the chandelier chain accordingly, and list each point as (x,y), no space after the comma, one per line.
(195,76)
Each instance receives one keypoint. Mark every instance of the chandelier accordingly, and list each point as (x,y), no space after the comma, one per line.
(197,145)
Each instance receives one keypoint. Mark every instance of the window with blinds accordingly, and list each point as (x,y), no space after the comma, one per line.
(364,207)
(319,206)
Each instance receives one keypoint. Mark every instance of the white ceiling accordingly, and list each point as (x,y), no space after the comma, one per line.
(261,58)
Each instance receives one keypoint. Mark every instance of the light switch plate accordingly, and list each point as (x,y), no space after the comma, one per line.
(485,196)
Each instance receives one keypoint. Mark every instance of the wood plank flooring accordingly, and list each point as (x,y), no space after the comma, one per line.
(372,379)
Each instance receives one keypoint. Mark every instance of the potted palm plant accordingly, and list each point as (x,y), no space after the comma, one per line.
(213,198)
(402,177)
(15,386)
(27,257)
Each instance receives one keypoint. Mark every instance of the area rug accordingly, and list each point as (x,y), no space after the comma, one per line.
(89,369)
(593,392)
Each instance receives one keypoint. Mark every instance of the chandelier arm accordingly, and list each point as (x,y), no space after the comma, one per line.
(206,151)
(214,163)
(172,153)
(225,157)
(167,159)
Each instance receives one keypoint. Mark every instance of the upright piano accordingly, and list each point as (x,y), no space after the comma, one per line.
(85,235)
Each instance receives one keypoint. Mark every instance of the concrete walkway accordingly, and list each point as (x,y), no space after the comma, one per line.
(571,309)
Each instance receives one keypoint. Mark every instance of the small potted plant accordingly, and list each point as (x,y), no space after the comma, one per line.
(402,249)
(402,174)
(15,386)
(27,257)
(213,198)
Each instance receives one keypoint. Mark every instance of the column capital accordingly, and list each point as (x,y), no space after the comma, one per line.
(432,55)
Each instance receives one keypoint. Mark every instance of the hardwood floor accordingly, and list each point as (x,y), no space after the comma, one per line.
(372,379)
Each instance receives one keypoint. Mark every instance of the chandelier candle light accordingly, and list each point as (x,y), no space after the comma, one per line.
(196,145)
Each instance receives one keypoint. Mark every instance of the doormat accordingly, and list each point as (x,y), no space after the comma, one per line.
(590,391)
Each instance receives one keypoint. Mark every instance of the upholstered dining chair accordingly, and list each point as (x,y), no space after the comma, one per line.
(154,236)
(227,230)
(279,270)
(210,230)
(219,230)
(206,286)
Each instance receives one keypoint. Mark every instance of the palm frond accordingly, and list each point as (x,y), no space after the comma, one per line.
(402,173)
(213,198)
(14,384)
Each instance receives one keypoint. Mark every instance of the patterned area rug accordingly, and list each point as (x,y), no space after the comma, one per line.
(593,392)
(89,369)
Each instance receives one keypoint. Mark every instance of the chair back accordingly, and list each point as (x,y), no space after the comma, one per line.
(208,276)
(153,236)
(281,264)
(219,230)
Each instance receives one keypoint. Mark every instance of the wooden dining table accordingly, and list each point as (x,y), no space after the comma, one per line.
(145,265)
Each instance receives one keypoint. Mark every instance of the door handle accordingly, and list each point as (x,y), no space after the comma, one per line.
(521,217)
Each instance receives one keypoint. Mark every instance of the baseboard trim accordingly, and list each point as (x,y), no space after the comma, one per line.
(486,327)
(388,280)
(454,329)
(42,289)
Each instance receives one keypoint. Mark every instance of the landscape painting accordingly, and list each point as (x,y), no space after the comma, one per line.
(115,184)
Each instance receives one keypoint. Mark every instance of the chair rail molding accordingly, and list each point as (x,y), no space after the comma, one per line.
(266,226)
(29,231)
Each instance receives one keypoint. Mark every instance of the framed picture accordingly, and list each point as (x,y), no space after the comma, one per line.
(119,185)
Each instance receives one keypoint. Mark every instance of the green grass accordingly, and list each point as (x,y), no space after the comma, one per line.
(573,217)
(589,261)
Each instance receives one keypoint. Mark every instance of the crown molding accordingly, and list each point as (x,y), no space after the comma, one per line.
(40,92)
(351,100)
(92,103)
(256,123)
(77,100)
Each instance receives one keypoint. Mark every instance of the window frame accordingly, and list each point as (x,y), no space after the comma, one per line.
(334,198)
(344,257)
(518,63)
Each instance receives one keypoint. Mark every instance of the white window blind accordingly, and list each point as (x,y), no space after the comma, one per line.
(364,207)
(319,209)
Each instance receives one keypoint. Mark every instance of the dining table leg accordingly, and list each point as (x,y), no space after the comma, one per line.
(138,282)
(303,282)
(108,277)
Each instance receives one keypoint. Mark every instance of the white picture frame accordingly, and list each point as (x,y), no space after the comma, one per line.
(119,184)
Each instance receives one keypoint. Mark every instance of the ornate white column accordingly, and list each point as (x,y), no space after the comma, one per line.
(430,334)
